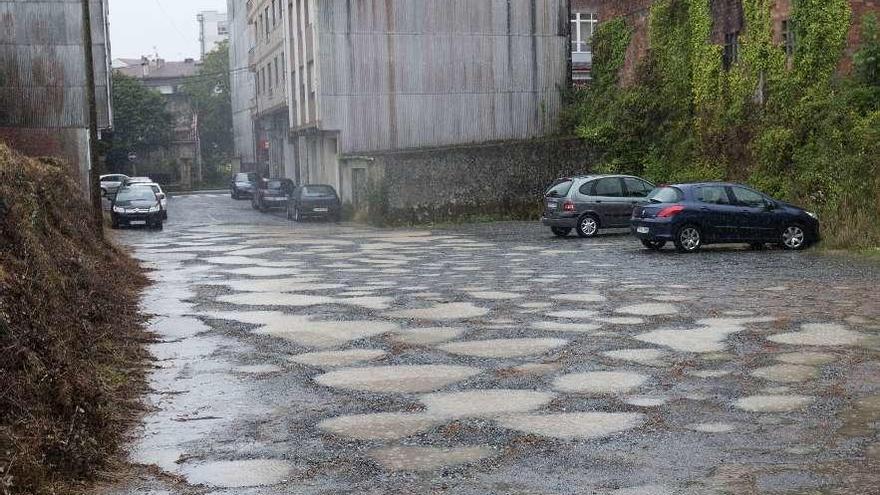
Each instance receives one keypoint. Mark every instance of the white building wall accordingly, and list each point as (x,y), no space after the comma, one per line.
(241,81)
(213,29)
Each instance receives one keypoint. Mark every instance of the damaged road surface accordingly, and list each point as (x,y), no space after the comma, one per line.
(317,358)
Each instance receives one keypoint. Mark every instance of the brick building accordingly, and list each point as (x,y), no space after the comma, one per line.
(729,23)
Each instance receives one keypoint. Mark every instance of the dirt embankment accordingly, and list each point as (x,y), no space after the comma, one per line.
(71,339)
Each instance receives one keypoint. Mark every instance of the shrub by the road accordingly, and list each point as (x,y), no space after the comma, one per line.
(801,126)
(71,342)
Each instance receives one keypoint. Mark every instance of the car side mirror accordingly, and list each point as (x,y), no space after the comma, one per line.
(769,206)
(161,195)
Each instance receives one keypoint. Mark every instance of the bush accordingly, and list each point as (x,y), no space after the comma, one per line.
(69,331)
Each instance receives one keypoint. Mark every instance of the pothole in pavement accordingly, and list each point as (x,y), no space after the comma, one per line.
(711,427)
(646,401)
(428,458)
(774,403)
(485,403)
(428,336)
(622,320)
(648,309)
(297,284)
(503,348)
(580,298)
(303,300)
(237,474)
(440,312)
(647,357)
(397,379)
(708,338)
(495,295)
(644,490)
(807,358)
(821,334)
(577,314)
(258,369)
(575,425)
(786,373)
(262,271)
(381,426)
(600,382)
(330,359)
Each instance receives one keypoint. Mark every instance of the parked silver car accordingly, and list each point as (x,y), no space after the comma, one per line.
(586,204)
(111,183)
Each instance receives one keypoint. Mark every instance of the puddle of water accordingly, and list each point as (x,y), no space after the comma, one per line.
(573,314)
(428,336)
(237,474)
(331,359)
(503,348)
(707,339)
(303,300)
(644,490)
(382,426)
(537,368)
(709,373)
(647,357)
(555,326)
(711,427)
(820,334)
(786,373)
(263,271)
(575,425)
(297,284)
(600,382)
(439,312)
(774,403)
(588,297)
(397,379)
(807,358)
(646,401)
(257,369)
(485,403)
(536,305)
(427,458)
(648,309)
(622,320)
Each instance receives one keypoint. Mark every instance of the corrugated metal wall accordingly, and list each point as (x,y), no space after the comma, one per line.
(43,80)
(399,74)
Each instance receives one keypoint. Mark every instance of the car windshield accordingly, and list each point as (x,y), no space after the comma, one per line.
(665,195)
(314,191)
(245,177)
(560,188)
(136,194)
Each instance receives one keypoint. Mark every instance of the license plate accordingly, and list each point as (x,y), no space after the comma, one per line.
(643,230)
(138,222)
(321,210)
(552,205)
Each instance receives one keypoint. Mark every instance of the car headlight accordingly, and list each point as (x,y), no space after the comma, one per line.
(118,209)
(154,209)
(815,217)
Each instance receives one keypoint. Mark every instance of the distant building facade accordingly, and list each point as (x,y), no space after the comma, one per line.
(213,30)
(242,88)
(43,85)
(337,81)
(168,79)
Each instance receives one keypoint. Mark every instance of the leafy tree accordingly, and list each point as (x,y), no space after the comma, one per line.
(141,121)
(867,59)
(211,99)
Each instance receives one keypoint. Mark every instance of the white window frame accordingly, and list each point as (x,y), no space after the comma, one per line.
(578,21)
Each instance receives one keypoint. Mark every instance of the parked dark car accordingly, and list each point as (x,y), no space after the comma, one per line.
(588,203)
(314,201)
(243,185)
(136,205)
(271,193)
(694,215)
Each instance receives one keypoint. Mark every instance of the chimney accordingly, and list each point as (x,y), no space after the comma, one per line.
(189,60)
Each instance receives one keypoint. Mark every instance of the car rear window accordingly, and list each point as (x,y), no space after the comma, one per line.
(665,195)
(246,177)
(318,191)
(560,188)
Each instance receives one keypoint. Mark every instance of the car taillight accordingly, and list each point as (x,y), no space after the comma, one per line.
(568,206)
(670,211)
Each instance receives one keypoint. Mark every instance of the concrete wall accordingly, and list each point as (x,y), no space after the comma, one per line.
(401,74)
(242,83)
(505,178)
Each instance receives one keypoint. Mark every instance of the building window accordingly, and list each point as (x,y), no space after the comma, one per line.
(731,49)
(269,70)
(277,75)
(266,12)
(274,17)
(222,29)
(789,38)
(259,27)
(583,26)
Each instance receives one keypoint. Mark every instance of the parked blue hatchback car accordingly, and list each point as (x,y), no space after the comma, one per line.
(694,215)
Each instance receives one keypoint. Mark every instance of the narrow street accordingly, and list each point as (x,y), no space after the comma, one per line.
(497,359)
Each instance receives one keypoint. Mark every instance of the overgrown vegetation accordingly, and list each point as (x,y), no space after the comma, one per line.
(69,333)
(793,127)
(141,122)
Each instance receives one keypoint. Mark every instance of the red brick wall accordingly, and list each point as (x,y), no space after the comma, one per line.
(859,8)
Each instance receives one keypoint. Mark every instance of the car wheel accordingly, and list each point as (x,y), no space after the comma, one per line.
(588,226)
(794,238)
(689,239)
(653,245)
(234,195)
(560,231)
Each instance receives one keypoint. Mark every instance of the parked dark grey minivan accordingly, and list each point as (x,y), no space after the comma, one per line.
(586,204)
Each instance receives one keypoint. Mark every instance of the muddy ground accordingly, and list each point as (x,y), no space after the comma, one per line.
(495,358)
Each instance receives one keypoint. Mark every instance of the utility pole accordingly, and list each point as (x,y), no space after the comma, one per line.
(94,162)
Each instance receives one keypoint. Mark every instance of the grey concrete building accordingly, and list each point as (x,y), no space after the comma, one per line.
(213,30)
(242,87)
(43,83)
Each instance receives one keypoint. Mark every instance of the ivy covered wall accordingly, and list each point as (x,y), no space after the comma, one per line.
(795,127)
